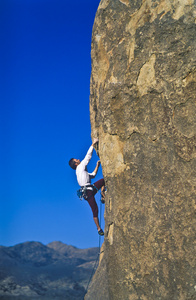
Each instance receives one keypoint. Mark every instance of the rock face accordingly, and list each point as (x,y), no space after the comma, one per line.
(142,105)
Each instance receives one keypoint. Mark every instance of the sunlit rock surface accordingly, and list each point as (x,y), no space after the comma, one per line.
(142,104)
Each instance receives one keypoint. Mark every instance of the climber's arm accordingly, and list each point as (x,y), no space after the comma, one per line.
(97,167)
(94,173)
(88,156)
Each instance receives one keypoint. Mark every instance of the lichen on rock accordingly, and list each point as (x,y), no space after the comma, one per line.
(142,108)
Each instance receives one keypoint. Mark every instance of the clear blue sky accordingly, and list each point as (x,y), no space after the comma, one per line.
(45,67)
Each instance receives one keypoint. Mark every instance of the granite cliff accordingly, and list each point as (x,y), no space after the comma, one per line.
(142,107)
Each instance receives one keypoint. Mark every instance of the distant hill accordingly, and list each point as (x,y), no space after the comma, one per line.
(32,270)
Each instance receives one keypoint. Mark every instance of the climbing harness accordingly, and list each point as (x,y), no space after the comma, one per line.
(82,192)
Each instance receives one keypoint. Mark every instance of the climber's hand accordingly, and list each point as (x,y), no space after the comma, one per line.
(95,141)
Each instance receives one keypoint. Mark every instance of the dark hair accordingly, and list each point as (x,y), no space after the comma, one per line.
(72,164)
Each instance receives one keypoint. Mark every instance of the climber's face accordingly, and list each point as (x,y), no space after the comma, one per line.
(76,161)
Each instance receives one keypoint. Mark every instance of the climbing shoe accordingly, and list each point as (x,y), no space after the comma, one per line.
(102,200)
(100,232)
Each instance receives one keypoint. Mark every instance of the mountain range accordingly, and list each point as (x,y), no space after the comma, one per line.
(32,270)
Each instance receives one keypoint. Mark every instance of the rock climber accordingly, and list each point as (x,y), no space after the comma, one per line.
(84,179)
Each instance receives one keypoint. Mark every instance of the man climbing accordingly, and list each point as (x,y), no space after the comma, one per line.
(84,180)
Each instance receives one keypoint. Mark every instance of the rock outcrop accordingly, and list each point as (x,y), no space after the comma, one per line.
(142,105)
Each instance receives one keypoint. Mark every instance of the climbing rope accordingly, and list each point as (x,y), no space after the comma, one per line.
(100,217)
(95,265)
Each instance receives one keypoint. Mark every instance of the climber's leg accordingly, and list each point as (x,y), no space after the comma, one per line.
(96,220)
(94,208)
(100,184)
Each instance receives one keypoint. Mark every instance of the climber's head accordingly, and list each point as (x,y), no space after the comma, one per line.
(74,163)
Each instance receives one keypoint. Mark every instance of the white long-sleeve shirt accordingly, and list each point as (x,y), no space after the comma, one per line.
(83,177)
